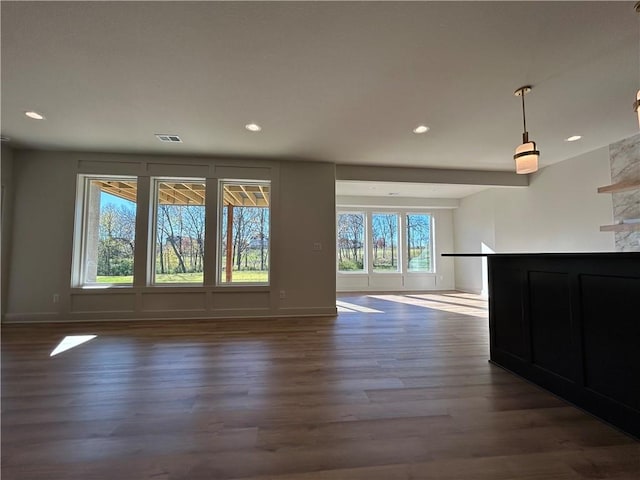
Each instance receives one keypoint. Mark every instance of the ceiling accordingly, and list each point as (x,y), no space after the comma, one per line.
(411,190)
(343,82)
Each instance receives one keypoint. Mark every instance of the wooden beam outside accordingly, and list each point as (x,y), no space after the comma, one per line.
(177,193)
(252,200)
(171,194)
(196,192)
(265,196)
(124,190)
(168,198)
(237,201)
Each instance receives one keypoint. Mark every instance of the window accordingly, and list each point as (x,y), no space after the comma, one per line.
(419,245)
(351,244)
(179,231)
(106,241)
(244,232)
(370,242)
(384,237)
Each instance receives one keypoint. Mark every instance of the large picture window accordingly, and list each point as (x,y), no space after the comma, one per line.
(179,231)
(384,227)
(107,233)
(419,244)
(379,242)
(244,232)
(351,242)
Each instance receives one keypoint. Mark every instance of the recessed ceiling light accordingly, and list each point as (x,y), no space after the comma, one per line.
(573,138)
(34,115)
(421,129)
(253,127)
(168,137)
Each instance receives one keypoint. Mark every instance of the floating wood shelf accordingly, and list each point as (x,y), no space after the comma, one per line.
(621,227)
(620,187)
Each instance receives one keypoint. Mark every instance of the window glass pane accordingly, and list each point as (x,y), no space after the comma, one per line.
(244,232)
(109,231)
(419,242)
(385,242)
(179,233)
(351,252)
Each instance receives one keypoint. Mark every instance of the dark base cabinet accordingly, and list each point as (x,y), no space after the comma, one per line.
(571,324)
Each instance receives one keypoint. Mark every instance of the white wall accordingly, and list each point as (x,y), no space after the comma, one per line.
(303,213)
(474,232)
(442,278)
(560,211)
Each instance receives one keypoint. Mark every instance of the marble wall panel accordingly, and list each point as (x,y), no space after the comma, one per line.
(624,158)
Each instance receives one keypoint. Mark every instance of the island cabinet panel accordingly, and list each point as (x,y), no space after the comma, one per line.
(571,324)
(612,346)
(508,326)
(552,347)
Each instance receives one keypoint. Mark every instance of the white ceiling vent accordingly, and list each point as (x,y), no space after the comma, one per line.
(164,137)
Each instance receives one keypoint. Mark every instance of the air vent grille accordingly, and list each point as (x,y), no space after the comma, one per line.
(167,138)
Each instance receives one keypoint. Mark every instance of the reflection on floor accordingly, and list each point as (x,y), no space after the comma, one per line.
(450,302)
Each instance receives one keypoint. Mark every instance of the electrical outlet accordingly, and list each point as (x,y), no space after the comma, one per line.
(283,294)
(55,298)
(317,246)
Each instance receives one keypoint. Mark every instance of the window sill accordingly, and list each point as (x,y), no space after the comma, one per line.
(170,289)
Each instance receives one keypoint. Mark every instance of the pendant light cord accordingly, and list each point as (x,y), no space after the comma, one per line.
(524,117)
(525,134)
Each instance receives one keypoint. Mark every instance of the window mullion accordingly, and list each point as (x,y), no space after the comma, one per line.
(140,262)
(211,256)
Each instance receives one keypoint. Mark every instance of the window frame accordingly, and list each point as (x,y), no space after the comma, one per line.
(220,261)
(400,226)
(79,248)
(365,242)
(153,230)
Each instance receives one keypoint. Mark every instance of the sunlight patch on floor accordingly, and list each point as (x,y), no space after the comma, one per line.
(71,341)
(352,307)
(435,305)
(453,299)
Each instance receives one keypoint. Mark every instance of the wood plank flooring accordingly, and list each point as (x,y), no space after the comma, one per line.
(395,387)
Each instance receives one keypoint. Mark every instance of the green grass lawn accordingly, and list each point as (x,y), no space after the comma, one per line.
(254,276)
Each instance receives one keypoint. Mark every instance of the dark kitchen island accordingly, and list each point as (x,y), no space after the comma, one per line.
(571,324)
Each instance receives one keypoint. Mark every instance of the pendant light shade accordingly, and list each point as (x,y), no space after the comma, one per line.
(526,156)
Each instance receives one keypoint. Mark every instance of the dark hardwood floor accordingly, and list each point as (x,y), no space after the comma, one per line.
(397,387)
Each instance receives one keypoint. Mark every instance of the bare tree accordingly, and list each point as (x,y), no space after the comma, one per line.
(172,228)
(351,241)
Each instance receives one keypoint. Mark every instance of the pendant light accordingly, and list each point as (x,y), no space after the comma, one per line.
(526,155)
